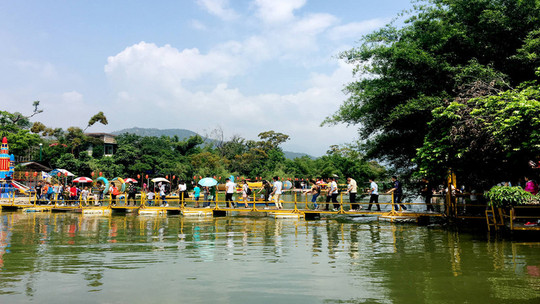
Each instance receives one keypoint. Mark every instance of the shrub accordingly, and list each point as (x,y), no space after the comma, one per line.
(505,196)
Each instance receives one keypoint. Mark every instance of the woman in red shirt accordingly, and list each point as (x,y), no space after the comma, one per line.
(73,195)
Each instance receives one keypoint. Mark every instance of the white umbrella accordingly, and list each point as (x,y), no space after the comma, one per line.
(62,172)
(159,179)
(208,182)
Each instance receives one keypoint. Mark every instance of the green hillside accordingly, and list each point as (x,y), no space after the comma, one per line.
(183,134)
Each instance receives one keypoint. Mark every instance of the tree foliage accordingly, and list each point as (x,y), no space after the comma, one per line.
(444,47)
(485,139)
(160,156)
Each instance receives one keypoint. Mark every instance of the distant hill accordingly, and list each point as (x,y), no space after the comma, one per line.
(181,133)
(293,155)
(184,134)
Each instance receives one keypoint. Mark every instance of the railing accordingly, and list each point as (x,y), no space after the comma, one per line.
(297,202)
(458,206)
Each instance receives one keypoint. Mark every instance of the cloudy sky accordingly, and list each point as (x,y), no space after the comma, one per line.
(244,66)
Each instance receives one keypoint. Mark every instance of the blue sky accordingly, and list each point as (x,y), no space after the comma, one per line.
(242,66)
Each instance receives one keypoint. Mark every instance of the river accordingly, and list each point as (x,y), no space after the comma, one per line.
(67,258)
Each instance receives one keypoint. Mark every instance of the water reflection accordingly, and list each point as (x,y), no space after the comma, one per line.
(253,259)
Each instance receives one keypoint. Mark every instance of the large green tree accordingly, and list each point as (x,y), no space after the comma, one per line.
(485,139)
(404,73)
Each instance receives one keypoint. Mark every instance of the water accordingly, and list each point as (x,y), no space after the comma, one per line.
(64,258)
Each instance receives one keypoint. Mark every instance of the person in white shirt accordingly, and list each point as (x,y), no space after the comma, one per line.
(230,187)
(245,195)
(351,190)
(84,195)
(182,191)
(333,192)
(276,193)
(163,195)
(374,197)
(150,198)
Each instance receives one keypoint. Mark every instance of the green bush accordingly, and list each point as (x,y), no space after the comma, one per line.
(505,196)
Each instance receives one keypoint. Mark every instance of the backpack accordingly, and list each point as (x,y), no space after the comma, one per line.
(248,191)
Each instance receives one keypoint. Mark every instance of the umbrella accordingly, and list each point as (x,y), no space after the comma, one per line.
(130,180)
(287,185)
(208,182)
(62,172)
(159,179)
(82,179)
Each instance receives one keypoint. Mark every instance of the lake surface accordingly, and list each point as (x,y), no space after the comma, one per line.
(68,258)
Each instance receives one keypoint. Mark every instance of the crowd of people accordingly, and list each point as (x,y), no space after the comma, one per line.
(330,187)
(75,194)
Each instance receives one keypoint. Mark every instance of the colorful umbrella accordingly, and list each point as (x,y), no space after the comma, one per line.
(287,185)
(130,180)
(82,179)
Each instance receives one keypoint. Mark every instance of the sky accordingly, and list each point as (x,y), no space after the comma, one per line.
(244,67)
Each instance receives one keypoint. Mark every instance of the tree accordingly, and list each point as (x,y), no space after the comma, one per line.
(12,122)
(99,117)
(484,139)
(406,73)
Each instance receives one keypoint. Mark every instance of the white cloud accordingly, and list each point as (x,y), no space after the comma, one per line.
(163,86)
(72,97)
(277,11)
(355,30)
(219,8)
(44,70)
(198,25)
(167,66)
(149,85)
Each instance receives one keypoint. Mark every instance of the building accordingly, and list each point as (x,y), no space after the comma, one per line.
(109,143)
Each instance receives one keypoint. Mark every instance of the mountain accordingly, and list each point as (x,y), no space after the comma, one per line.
(293,155)
(184,134)
(181,133)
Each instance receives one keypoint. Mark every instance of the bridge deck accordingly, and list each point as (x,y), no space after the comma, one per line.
(79,208)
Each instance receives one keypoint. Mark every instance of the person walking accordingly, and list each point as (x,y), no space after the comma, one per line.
(374,194)
(267,188)
(276,192)
(96,191)
(212,196)
(315,191)
(150,197)
(162,194)
(182,192)
(132,191)
(73,195)
(427,193)
(197,195)
(325,185)
(206,193)
(84,195)
(351,190)
(333,192)
(398,193)
(229,191)
(38,189)
(245,194)
(59,192)
(114,192)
